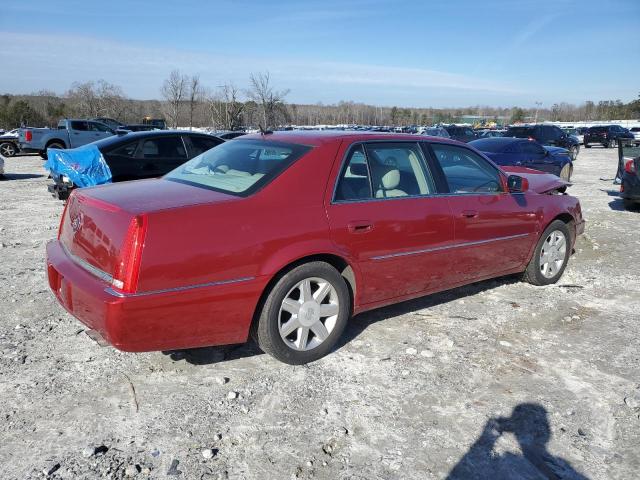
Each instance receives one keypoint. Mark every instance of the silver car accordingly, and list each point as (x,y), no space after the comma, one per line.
(436,132)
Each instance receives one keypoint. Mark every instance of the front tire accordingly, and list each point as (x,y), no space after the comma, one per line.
(8,149)
(566,172)
(304,314)
(573,153)
(550,256)
(57,145)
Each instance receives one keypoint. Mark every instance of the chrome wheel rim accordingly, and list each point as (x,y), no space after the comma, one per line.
(565,173)
(308,314)
(7,150)
(553,253)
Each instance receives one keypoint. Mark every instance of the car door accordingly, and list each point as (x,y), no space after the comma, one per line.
(535,156)
(162,154)
(80,134)
(123,162)
(385,216)
(494,229)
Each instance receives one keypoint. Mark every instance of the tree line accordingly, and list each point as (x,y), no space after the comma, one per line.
(187,102)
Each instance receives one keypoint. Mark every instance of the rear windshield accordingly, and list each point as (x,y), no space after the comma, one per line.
(240,167)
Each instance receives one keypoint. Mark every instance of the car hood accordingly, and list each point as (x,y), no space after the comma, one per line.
(539,182)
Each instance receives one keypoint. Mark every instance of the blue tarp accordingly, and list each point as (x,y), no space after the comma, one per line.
(85,166)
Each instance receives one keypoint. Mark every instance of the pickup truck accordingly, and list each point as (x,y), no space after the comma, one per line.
(70,133)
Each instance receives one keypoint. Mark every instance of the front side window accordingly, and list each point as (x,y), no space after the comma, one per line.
(465,171)
(384,170)
(80,126)
(531,148)
(202,144)
(239,167)
(98,127)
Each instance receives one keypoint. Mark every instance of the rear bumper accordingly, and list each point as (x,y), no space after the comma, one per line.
(630,187)
(216,314)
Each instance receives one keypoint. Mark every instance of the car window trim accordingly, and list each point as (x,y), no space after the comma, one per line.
(422,160)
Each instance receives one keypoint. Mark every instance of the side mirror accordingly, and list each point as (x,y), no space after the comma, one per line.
(517,184)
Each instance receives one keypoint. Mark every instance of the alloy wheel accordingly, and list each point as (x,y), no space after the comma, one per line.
(7,150)
(308,314)
(553,254)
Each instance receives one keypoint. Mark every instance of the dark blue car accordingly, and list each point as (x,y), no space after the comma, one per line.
(526,153)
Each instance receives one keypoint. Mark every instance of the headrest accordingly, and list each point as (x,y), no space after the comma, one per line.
(390,178)
(358,169)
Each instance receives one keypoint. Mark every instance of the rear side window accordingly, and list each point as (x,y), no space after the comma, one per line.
(384,170)
(80,126)
(164,147)
(98,127)
(126,150)
(239,167)
(465,171)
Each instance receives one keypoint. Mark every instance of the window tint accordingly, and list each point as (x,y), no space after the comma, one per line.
(164,147)
(127,150)
(465,171)
(531,148)
(355,183)
(80,126)
(202,144)
(239,167)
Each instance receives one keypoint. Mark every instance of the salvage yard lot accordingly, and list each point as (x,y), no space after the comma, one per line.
(406,395)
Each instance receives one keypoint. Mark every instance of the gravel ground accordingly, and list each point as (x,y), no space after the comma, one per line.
(495,380)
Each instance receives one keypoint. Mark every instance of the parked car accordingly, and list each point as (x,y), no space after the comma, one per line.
(636,132)
(547,135)
(606,135)
(70,133)
(528,153)
(489,133)
(9,143)
(132,156)
(435,132)
(629,159)
(138,127)
(288,234)
(461,133)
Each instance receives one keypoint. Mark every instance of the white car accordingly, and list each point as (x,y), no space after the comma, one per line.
(636,132)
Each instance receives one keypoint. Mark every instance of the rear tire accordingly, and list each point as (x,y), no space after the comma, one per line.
(573,153)
(550,256)
(586,145)
(57,145)
(303,337)
(8,149)
(566,172)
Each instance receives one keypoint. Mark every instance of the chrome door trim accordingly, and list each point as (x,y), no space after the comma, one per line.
(447,247)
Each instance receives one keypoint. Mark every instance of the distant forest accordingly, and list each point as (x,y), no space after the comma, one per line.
(186,102)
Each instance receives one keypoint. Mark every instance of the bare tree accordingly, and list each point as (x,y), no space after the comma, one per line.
(270,101)
(173,91)
(195,97)
(233,107)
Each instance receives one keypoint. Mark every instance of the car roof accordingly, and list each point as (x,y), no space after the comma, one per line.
(321,137)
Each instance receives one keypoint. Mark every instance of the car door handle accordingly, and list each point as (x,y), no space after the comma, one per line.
(469,213)
(360,227)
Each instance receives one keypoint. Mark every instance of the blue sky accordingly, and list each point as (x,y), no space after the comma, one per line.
(418,53)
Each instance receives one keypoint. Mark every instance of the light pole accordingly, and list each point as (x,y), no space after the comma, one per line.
(538,105)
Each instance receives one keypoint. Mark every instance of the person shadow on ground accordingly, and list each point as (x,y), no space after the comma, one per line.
(530,426)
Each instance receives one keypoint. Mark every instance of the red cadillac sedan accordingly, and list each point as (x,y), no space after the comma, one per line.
(287,235)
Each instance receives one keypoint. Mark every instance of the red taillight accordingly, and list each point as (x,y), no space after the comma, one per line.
(64,212)
(28,135)
(126,275)
(630,166)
